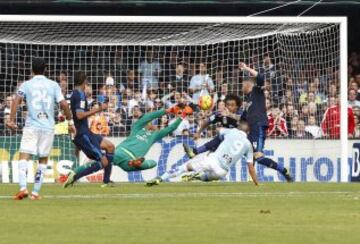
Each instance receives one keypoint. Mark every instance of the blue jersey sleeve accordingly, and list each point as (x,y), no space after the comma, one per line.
(260,79)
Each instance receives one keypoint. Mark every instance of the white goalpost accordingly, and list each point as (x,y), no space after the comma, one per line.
(142,63)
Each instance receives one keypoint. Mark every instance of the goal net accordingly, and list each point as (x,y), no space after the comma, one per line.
(143,64)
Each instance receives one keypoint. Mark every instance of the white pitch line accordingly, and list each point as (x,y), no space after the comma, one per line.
(193,195)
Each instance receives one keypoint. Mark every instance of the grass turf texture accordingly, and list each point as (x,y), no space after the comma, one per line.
(184,213)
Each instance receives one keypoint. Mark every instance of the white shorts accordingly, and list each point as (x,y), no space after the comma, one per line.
(36,141)
(209,165)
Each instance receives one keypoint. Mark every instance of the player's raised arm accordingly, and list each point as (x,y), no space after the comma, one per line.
(260,79)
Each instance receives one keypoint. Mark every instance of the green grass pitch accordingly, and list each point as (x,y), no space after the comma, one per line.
(184,213)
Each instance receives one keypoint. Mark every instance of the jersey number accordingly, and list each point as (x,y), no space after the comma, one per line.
(40,99)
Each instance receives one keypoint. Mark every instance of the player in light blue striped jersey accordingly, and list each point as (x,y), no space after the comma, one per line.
(216,165)
(41,95)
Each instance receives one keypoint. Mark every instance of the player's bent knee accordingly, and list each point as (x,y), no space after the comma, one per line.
(107,145)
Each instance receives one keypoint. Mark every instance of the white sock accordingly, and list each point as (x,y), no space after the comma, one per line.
(39,177)
(23,164)
(174,173)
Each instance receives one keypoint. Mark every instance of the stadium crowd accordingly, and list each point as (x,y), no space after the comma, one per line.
(297,108)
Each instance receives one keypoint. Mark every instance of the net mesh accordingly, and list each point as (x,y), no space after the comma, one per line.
(147,66)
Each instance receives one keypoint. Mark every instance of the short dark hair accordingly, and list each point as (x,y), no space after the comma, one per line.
(232,97)
(38,66)
(79,78)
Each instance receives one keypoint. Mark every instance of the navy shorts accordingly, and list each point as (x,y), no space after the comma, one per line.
(257,137)
(89,143)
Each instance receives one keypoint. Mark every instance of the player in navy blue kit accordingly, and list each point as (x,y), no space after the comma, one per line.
(255,115)
(228,118)
(86,141)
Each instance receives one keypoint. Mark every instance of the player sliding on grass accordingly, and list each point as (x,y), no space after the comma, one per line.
(216,165)
(129,154)
(255,115)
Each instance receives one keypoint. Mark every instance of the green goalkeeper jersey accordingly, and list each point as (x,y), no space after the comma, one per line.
(140,139)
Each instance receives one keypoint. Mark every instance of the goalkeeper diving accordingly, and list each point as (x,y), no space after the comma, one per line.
(216,165)
(129,154)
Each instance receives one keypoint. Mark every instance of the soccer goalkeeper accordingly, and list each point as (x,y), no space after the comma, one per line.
(129,154)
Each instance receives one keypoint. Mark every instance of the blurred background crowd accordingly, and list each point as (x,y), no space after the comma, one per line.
(303,106)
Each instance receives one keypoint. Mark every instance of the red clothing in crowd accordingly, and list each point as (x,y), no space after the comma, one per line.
(276,129)
(331,122)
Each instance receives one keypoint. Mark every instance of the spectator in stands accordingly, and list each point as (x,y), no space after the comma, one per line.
(130,82)
(176,97)
(219,78)
(222,92)
(8,102)
(180,81)
(111,93)
(118,128)
(315,87)
(313,128)
(99,123)
(356,111)
(312,108)
(331,122)
(134,101)
(300,132)
(277,124)
(193,127)
(357,127)
(304,112)
(201,83)
(120,62)
(293,127)
(352,98)
(63,83)
(333,91)
(149,70)
(158,104)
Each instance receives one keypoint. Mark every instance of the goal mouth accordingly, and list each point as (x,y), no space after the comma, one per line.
(294,53)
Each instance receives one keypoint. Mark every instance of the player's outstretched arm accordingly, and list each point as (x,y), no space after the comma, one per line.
(166,131)
(146,118)
(252,173)
(11,123)
(65,107)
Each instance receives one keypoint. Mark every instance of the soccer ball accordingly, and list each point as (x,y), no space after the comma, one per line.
(205,102)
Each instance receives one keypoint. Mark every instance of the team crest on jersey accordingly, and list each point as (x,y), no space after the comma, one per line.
(82,104)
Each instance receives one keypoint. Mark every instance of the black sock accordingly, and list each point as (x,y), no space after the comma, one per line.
(96,166)
(107,173)
(268,162)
